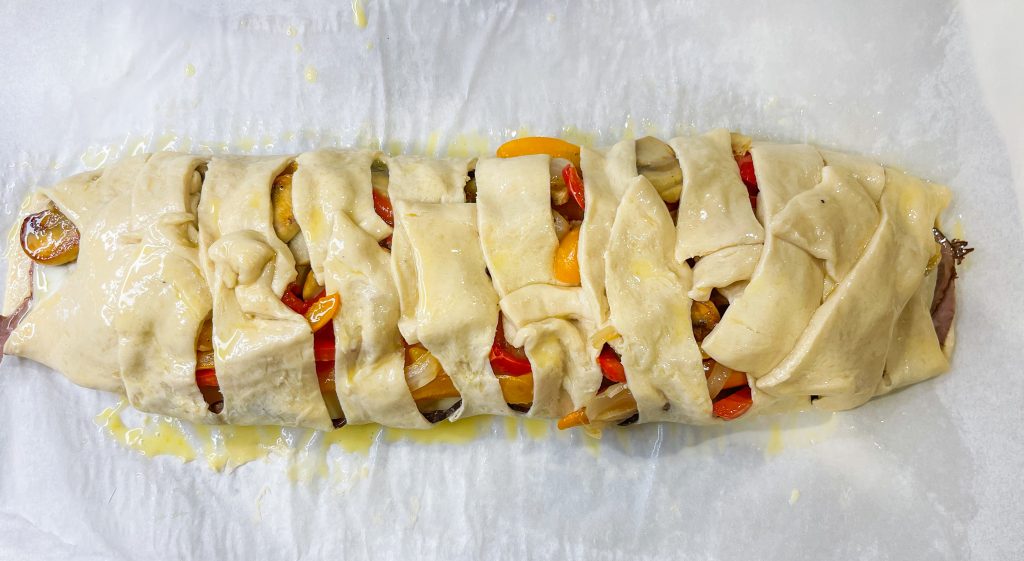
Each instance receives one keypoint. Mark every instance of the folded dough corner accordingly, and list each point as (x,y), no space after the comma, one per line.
(828,282)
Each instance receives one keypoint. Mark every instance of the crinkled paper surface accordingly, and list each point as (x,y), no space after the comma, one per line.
(932,472)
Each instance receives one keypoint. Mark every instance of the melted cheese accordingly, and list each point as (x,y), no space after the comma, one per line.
(714,209)
(164,298)
(72,331)
(330,192)
(263,350)
(841,355)
(833,221)
(648,307)
(516,230)
(456,309)
(761,326)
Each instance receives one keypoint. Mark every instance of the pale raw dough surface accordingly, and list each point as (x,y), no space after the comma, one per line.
(164,299)
(763,324)
(516,231)
(927,86)
(645,287)
(101,207)
(714,210)
(263,351)
(456,311)
(332,197)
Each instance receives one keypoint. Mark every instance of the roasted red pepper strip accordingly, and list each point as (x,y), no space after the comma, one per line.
(733,405)
(574,184)
(293,300)
(506,359)
(611,365)
(746,164)
(325,373)
(323,345)
(382,204)
(207,378)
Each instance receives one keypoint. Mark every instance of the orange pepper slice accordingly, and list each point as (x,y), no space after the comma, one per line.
(518,390)
(321,312)
(438,388)
(554,147)
(567,265)
(575,419)
(733,405)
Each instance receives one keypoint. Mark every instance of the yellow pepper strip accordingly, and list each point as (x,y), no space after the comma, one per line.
(554,147)
(322,311)
(575,419)
(414,352)
(567,265)
(438,388)
(310,288)
(518,390)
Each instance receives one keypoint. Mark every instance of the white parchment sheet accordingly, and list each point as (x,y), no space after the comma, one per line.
(933,472)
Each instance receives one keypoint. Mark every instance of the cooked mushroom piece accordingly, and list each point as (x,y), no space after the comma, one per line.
(49,238)
(656,161)
(281,197)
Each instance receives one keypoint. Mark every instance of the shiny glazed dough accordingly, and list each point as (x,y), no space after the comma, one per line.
(513,199)
(127,316)
(519,241)
(914,353)
(714,209)
(456,307)
(762,325)
(72,330)
(164,299)
(861,313)
(606,178)
(331,190)
(833,221)
(649,309)
(263,350)
(420,180)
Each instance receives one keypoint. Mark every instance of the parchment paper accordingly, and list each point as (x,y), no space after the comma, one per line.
(932,472)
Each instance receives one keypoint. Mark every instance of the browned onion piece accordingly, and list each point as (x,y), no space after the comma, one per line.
(943,308)
(49,238)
